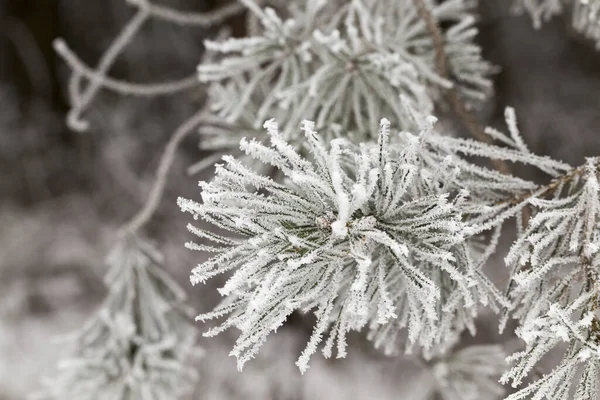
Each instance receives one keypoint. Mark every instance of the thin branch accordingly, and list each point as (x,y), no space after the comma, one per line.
(468,119)
(555,184)
(520,202)
(122,87)
(80,98)
(158,188)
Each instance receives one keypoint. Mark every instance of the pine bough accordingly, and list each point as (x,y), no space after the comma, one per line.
(369,224)
(391,235)
(388,235)
(355,57)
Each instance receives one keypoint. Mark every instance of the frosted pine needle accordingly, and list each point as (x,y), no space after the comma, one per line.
(557,264)
(340,64)
(360,235)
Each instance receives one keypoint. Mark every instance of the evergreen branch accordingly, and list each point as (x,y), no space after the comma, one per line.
(353,232)
(554,185)
(140,344)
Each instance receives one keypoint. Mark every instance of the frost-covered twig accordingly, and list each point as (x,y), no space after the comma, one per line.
(121,87)
(363,234)
(356,57)
(556,264)
(158,187)
(81,98)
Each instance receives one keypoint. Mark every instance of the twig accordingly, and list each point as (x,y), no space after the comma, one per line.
(550,188)
(468,119)
(122,87)
(158,188)
(82,98)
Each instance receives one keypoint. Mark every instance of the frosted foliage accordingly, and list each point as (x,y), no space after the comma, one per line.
(364,235)
(556,291)
(341,64)
(371,226)
(137,346)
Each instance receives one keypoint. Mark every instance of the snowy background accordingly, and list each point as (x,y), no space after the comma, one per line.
(63,194)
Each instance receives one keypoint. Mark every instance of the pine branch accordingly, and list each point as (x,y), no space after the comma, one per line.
(556,295)
(357,57)
(354,217)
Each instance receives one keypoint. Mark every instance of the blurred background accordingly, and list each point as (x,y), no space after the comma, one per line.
(63,194)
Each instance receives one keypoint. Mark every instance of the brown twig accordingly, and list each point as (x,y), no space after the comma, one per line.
(458,106)
(468,119)
(553,185)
